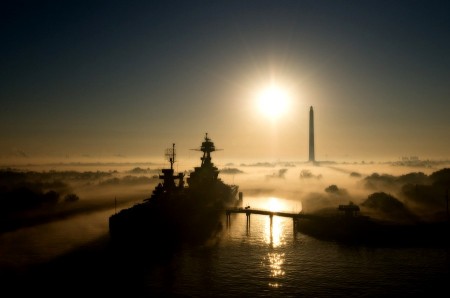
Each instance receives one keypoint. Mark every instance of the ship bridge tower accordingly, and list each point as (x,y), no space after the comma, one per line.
(206,173)
(207,147)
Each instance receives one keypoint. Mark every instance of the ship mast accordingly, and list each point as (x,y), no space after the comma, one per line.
(170,155)
(168,174)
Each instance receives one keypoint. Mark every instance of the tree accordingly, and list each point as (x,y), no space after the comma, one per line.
(71,197)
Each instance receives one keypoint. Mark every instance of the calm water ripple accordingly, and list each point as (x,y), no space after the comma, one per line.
(255,262)
(247,263)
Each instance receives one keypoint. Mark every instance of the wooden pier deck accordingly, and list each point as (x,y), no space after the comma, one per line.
(260,211)
(271,214)
(249,211)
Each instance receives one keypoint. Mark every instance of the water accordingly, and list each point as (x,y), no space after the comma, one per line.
(259,262)
(251,263)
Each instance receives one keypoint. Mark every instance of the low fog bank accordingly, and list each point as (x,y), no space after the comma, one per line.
(388,191)
(32,197)
(74,206)
(378,188)
(45,214)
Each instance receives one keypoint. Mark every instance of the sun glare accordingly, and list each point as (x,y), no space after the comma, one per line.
(274,205)
(273,101)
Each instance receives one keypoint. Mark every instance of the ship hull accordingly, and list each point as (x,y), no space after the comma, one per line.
(167,222)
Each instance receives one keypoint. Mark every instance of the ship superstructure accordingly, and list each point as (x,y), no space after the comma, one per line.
(176,211)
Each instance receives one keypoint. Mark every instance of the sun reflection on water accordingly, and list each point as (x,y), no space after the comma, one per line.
(274,230)
(275,262)
(274,235)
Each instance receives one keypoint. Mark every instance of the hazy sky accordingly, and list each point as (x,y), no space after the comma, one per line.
(126,79)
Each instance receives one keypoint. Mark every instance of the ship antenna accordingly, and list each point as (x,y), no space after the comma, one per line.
(170,155)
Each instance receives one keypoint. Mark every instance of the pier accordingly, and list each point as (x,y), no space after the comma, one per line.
(271,214)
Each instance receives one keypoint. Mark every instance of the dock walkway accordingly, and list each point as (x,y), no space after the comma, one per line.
(271,214)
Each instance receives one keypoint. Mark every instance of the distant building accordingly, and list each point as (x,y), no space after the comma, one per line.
(349,210)
(311,135)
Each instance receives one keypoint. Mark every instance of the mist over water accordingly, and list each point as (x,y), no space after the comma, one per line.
(274,259)
(43,243)
(305,186)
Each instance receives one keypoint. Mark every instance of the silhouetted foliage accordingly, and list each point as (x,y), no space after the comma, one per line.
(332,189)
(51,197)
(306,174)
(21,197)
(289,164)
(231,171)
(377,181)
(281,174)
(383,201)
(431,194)
(355,174)
(388,206)
(26,197)
(28,190)
(336,191)
(441,178)
(414,178)
(128,180)
(259,164)
(71,197)
(140,171)
(112,181)
(423,195)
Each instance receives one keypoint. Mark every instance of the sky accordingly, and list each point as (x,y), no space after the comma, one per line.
(123,80)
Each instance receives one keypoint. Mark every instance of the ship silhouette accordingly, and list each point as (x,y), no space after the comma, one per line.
(177,213)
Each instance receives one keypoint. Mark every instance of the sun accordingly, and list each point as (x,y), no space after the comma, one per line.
(273,101)
(273,204)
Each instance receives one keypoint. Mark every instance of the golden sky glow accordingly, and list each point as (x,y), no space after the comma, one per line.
(85,82)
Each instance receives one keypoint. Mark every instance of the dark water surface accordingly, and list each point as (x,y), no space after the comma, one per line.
(255,262)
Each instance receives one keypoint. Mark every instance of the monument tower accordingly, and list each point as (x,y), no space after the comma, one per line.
(311,135)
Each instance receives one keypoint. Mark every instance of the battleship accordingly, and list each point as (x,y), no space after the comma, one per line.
(177,213)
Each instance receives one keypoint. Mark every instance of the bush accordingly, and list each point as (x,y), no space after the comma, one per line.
(71,197)
(332,189)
